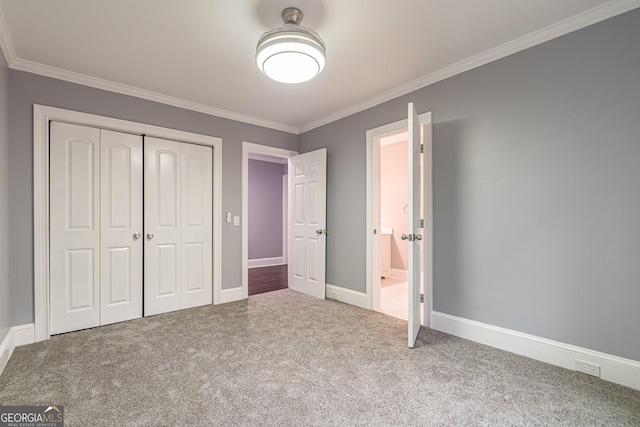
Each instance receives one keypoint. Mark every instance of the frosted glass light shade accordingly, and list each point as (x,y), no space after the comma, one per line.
(291,54)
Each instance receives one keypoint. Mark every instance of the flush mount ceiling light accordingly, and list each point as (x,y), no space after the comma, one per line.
(291,53)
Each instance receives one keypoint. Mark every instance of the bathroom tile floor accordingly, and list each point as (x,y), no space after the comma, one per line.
(394,298)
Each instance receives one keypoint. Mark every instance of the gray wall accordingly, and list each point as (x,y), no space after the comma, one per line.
(265,209)
(27,89)
(5,311)
(536,189)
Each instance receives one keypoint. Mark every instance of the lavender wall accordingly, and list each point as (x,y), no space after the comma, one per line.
(265,209)
(394,181)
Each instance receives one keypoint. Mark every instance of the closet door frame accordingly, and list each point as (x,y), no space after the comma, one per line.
(42,115)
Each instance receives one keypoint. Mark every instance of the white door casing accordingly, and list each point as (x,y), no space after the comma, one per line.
(196,225)
(121,227)
(307,222)
(75,227)
(162,226)
(414,225)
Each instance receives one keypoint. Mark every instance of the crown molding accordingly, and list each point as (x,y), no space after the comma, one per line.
(6,43)
(82,79)
(574,23)
(589,17)
(15,63)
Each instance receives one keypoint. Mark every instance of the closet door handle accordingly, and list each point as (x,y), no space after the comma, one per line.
(149,236)
(136,236)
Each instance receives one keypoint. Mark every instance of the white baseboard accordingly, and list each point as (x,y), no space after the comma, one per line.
(348,296)
(396,273)
(17,336)
(7,346)
(612,368)
(230,295)
(265,262)
(24,334)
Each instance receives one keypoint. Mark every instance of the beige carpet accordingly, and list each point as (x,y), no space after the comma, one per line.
(285,359)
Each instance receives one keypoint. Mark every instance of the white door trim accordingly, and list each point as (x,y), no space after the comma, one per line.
(285,219)
(259,149)
(42,115)
(373,138)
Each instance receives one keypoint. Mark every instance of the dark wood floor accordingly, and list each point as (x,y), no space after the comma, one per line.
(267,279)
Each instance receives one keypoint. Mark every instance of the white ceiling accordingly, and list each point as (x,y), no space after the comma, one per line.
(199,54)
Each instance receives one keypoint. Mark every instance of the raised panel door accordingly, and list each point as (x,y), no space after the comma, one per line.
(74,297)
(196,225)
(307,234)
(162,211)
(121,245)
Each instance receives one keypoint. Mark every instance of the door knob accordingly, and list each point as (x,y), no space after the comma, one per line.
(136,236)
(404,237)
(319,232)
(149,236)
(417,237)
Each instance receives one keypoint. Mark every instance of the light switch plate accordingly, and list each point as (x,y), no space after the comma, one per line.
(228,217)
(236,220)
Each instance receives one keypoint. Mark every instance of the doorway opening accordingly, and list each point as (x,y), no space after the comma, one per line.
(388,193)
(265,218)
(393,208)
(267,223)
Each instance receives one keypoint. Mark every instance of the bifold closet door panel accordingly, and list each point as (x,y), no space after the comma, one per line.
(196,225)
(74,190)
(162,226)
(121,247)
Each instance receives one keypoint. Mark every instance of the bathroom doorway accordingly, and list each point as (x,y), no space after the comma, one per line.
(393,208)
(387,287)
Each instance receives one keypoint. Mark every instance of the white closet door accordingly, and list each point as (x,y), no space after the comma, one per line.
(74,227)
(196,225)
(162,226)
(121,248)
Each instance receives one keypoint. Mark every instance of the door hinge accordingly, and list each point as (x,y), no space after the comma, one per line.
(422,223)
(421,297)
(422,148)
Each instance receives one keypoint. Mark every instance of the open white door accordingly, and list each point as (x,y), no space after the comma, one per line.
(414,225)
(427,212)
(307,222)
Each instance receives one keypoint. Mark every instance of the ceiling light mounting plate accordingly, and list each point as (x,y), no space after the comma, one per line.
(292,15)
